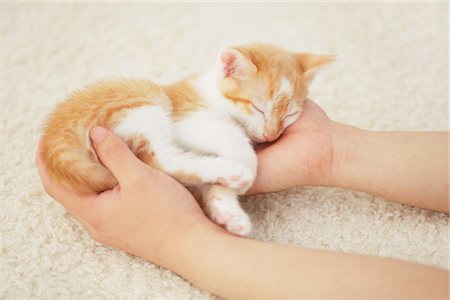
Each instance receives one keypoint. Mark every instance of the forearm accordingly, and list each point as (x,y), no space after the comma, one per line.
(407,167)
(239,268)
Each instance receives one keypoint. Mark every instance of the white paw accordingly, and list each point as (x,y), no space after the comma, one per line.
(228,213)
(236,177)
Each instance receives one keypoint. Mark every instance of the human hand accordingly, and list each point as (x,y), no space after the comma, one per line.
(303,155)
(149,214)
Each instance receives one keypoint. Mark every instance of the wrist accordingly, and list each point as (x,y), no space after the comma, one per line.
(348,144)
(176,249)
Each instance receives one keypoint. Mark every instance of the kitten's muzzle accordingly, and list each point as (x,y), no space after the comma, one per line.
(271,138)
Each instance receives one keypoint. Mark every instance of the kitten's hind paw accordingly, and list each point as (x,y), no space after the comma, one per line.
(236,177)
(231,216)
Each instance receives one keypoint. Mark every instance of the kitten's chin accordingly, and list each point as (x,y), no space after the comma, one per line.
(258,140)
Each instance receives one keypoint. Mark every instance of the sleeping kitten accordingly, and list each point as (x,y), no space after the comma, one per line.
(199,130)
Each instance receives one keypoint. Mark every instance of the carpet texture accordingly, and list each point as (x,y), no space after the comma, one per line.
(393,76)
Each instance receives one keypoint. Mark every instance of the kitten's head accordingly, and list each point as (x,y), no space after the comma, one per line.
(267,86)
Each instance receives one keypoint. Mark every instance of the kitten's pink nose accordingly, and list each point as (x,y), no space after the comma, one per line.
(270,138)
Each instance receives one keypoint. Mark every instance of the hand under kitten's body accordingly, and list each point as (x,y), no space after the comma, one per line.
(199,130)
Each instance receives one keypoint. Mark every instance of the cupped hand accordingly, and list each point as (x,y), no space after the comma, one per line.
(148,214)
(303,154)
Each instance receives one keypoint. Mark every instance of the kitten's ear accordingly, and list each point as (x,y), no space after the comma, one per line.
(235,64)
(312,63)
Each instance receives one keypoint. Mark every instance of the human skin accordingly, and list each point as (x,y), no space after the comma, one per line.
(406,167)
(148,206)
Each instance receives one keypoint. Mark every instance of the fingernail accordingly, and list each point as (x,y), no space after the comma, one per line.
(98,134)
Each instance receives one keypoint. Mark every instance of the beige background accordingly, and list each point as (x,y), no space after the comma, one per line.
(393,76)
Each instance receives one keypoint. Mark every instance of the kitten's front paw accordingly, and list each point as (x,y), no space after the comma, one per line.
(231,216)
(236,177)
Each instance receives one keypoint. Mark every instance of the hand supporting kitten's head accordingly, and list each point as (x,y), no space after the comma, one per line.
(267,86)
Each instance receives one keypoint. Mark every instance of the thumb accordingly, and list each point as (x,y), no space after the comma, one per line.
(115,154)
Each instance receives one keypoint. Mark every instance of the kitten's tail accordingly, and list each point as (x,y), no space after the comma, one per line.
(76,166)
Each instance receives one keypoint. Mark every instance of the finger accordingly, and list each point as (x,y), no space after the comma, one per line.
(270,175)
(116,156)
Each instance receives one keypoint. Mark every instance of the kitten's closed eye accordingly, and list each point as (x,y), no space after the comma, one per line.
(291,114)
(258,109)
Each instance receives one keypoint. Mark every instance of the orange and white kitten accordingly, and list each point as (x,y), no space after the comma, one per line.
(199,130)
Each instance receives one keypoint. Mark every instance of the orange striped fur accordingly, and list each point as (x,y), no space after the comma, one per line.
(66,148)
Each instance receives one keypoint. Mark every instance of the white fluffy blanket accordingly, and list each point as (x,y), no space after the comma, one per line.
(393,77)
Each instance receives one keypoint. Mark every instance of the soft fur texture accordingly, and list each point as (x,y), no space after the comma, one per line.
(199,129)
(393,77)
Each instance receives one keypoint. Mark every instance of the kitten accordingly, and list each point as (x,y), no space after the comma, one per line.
(199,129)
